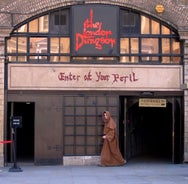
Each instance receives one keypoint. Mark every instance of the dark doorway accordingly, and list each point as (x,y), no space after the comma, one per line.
(149,131)
(25,134)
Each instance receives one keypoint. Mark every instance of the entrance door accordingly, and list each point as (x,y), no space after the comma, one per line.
(149,131)
(25,134)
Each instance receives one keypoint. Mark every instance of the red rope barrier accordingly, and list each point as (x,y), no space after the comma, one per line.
(6,142)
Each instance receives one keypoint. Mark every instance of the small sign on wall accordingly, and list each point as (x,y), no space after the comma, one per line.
(94,30)
(16,121)
(152,102)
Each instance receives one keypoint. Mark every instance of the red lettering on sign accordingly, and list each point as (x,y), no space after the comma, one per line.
(68,77)
(102,77)
(124,78)
(98,77)
(94,35)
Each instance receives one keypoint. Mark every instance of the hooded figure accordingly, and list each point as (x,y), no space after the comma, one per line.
(110,154)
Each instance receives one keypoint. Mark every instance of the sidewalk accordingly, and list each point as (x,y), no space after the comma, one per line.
(131,173)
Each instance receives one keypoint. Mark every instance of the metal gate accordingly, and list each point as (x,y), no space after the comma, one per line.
(82,125)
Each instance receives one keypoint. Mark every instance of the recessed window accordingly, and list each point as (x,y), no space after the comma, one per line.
(59,22)
(60,45)
(129,20)
(60,19)
(141,38)
(43,24)
(12,45)
(149,45)
(155,27)
(175,46)
(165,30)
(165,45)
(22,28)
(22,44)
(134,45)
(145,25)
(38,45)
(155,43)
(124,45)
(33,26)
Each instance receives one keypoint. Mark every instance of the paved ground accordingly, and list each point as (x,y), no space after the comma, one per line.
(132,173)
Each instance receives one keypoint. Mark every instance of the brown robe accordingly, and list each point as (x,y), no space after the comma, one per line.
(110,154)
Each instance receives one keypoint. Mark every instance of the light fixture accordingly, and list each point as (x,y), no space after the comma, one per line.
(159,8)
(147,94)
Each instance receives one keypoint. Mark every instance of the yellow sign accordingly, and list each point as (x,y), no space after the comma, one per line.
(152,102)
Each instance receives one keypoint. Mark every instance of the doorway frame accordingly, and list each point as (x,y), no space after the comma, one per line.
(9,131)
(177,126)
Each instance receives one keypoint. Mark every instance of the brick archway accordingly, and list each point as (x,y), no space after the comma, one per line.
(13,12)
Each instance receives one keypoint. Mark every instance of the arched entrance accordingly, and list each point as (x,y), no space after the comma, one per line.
(153,132)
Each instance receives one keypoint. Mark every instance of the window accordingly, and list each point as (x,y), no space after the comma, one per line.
(155,43)
(58,46)
(59,22)
(43,24)
(47,38)
(129,22)
(43,39)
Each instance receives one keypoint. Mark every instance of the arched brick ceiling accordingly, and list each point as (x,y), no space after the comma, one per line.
(12,12)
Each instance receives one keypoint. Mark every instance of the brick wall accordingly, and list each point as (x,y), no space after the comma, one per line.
(1,100)
(19,10)
(186,101)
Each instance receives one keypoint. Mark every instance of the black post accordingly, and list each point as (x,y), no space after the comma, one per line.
(15,167)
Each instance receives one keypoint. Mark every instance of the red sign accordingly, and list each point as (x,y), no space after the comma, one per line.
(95,30)
(93,34)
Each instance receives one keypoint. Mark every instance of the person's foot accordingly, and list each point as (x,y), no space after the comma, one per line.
(124,163)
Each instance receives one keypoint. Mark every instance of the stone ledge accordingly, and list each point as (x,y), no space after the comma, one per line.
(1,160)
(81,160)
(185,156)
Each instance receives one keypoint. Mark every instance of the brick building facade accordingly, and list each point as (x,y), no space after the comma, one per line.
(14,12)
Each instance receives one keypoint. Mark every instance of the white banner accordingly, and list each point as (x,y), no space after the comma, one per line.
(93,77)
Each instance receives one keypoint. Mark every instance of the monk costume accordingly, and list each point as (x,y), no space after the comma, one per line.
(110,154)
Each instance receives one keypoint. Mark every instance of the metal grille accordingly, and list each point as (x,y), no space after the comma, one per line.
(82,124)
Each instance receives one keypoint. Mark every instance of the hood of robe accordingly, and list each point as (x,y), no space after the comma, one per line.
(110,123)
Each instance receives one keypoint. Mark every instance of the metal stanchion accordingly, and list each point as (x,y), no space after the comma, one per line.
(15,122)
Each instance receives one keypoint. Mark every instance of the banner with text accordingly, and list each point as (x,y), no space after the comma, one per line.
(93,77)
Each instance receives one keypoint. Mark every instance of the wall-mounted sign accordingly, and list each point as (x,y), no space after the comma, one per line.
(94,30)
(152,102)
(16,121)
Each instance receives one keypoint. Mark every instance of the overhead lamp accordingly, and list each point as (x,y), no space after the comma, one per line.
(147,94)
(159,8)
